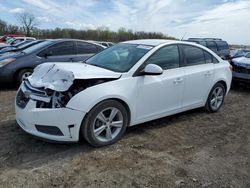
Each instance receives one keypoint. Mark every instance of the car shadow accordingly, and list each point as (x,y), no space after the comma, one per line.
(241,87)
(162,122)
(9,87)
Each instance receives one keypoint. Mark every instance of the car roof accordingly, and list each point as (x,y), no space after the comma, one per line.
(157,42)
(66,39)
(150,42)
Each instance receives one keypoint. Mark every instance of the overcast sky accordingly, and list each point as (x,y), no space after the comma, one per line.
(227,19)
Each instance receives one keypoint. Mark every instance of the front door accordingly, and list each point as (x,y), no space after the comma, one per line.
(160,95)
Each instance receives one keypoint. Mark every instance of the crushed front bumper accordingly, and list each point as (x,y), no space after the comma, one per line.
(57,124)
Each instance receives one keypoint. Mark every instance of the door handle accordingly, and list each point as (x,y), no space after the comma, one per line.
(71,59)
(178,81)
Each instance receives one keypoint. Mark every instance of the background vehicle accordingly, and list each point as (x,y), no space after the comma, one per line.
(20,46)
(241,69)
(219,46)
(107,44)
(3,38)
(14,41)
(18,66)
(236,53)
(124,85)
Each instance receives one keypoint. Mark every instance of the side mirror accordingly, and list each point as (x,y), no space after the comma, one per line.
(152,69)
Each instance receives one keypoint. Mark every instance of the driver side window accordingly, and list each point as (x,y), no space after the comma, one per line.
(62,48)
(166,57)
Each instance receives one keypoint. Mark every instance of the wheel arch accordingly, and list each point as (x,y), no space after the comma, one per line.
(125,104)
(223,83)
(17,71)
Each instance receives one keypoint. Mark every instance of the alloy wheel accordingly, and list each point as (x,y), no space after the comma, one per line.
(108,124)
(26,75)
(217,98)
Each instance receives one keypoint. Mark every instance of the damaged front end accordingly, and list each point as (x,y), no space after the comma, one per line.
(52,85)
(41,101)
(48,98)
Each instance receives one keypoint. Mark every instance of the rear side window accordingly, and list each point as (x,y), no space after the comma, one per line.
(208,57)
(63,48)
(212,46)
(166,57)
(86,48)
(222,45)
(193,55)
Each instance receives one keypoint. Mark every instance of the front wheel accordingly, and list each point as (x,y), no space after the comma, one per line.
(105,123)
(215,98)
(22,75)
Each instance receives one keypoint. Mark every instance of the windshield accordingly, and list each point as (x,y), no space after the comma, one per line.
(37,47)
(119,58)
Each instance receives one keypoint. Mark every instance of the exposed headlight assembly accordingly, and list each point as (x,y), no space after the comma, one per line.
(6,61)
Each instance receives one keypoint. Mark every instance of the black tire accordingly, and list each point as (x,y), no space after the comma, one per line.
(91,121)
(209,107)
(20,75)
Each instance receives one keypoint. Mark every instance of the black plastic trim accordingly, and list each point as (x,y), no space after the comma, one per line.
(52,130)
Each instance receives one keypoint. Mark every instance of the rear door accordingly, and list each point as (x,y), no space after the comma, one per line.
(199,72)
(85,50)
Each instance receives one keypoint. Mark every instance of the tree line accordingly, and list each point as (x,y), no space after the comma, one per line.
(28,27)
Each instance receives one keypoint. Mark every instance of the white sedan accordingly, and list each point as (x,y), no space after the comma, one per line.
(127,84)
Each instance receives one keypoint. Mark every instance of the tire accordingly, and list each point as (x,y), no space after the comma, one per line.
(105,124)
(215,98)
(23,74)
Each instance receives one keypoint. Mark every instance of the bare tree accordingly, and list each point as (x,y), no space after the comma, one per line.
(28,22)
(2,27)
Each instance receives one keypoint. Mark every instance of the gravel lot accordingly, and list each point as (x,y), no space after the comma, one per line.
(192,149)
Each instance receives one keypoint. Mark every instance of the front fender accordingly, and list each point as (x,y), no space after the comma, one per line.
(117,89)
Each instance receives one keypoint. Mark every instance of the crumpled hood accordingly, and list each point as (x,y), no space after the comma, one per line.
(60,76)
(242,61)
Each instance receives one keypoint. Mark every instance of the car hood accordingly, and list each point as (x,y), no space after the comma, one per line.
(242,61)
(60,76)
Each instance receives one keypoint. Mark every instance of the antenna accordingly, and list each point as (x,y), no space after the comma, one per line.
(183,36)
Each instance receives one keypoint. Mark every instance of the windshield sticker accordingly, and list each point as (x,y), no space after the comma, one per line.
(145,47)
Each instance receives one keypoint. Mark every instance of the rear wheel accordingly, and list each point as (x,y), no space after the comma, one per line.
(22,75)
(105,123)
(215,98)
